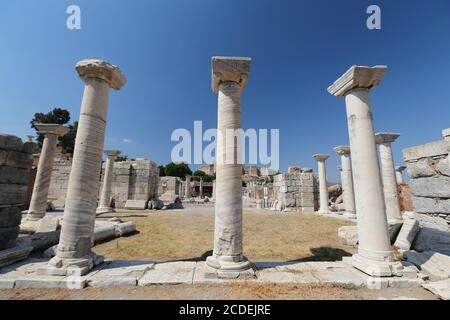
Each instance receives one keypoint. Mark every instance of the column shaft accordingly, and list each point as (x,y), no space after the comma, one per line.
(323,188)
(79,214)
(389,182)
(105,199)
(38,204)
(347,185)
(373,235)
(228,207)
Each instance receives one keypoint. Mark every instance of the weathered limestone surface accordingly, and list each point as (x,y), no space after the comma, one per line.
(439,288)
(390,189)
(229,76)
(429,170)
(74,255)
(374,256)
(15,162)
(38,204)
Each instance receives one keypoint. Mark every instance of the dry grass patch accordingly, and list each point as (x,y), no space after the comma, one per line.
(267,236)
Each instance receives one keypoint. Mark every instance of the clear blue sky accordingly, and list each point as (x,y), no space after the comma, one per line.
(164,48)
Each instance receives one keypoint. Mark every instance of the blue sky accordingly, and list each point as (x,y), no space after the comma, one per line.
(164,47)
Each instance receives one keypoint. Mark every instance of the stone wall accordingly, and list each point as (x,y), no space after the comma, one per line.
(296,190)
(134,180)
(16,159)
(429,169)
(169,184)
(60,179)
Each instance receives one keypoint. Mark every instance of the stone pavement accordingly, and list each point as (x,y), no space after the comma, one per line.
(145,273)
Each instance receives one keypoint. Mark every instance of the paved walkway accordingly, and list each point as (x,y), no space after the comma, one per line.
(145,273)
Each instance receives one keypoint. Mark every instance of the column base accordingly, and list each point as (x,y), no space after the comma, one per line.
(324,211)
(29,225)
(101,210)
(376,268)
(70,267)
(230,267)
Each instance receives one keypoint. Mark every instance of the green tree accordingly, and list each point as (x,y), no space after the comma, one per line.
(121,158)
(58,116)
(206,177)
(177,170)
(162,171)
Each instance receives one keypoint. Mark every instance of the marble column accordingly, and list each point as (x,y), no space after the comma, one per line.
(188,187)
(229,77)
(180,189)
(323,187)
(374,256)
(38,204)
(214,190)
(399,174)
(347,181)
(390,187)
(74,255)
(105,198)
(200,187)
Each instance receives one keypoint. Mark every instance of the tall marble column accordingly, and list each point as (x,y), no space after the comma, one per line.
(399,174)
(188,187)
(347,181)
(390,186)
(229,77)
(214,189)
(323,187)
(105,198)
(374,255)
(38,204)
(74,255)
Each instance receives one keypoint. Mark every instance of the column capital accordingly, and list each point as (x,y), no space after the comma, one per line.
(99,69)
(321,157)
(111,153)
(340,150)
(400,168)
(230,69)
(386,137)
(51,128)
(357,77)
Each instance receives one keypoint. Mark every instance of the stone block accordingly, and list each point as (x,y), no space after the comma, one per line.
(349,234)
(433,263)
(430,149)
(433,187)
(12,194)
(429,239)
(119,273)
(439,288)
(136,204)
(10,217)
(407,234)
(431,205)
(39,241)
(11,175)
(169,273)
(124,229)
(13,255)
(47,224)
(10,143)
(15,159)
(104,233)
(7,236)
(427,221)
